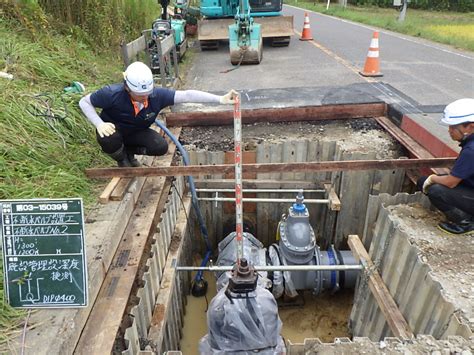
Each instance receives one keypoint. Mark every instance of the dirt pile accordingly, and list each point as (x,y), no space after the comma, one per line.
(361,135)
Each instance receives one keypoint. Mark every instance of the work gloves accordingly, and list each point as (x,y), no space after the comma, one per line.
(105,129)
(229,98)
(428,182)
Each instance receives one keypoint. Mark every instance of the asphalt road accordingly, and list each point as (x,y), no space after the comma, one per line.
(425,75)
(429,73)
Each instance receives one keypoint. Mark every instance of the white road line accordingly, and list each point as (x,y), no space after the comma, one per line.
(393,34)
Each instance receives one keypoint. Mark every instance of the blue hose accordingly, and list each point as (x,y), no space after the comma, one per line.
(194,199)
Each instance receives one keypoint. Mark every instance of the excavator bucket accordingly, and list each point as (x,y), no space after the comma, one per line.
(214,30)
(248,50)
(278,28)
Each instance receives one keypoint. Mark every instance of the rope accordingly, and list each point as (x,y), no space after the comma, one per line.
(42,107)
(236,66)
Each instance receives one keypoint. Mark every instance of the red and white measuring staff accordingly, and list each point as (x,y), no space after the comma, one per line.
(238,178)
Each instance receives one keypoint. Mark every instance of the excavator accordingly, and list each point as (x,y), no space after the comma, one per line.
(163,27)
(253,21)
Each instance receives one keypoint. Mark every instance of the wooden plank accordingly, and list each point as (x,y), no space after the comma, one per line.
(99,333)
(389,308)
(121,189)
(388,164)
(284,114)
(105,195)
(334,202)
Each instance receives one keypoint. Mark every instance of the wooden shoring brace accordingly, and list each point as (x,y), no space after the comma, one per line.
(395,320)
(334,202)
(196,170)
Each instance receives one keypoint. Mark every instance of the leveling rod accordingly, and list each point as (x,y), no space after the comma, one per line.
(195,170)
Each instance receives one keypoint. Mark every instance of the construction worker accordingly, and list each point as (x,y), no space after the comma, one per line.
(130,108)
(453,194)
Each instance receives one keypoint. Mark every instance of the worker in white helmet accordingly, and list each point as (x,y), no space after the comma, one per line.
(130,108)
(453,194)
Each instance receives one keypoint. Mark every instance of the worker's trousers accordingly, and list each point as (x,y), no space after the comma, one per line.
(456,203)
(142,142)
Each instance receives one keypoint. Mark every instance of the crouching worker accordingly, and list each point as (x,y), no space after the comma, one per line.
(130,108)
(453,194)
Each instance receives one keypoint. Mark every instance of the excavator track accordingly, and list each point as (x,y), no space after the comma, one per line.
(209,45)
(280,41)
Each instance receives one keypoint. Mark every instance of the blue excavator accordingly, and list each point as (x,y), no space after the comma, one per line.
(246,23)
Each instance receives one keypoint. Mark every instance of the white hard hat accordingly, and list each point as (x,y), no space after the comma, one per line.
(139,78)
(459,111)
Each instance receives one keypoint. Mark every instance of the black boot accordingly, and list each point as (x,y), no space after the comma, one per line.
(121,157)
(459,222)
(460,228)
(131,158)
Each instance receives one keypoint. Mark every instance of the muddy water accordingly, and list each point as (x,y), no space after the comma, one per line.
(325,317)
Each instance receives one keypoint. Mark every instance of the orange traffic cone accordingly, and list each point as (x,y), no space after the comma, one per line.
(372,63)
(306,34)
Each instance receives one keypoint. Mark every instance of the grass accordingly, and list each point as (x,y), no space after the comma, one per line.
(455,29)
(45,141)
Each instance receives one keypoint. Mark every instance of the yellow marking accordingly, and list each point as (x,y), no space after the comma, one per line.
(339,59)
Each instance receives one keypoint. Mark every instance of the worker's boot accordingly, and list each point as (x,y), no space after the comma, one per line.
(458,223)
(120,156)
(131,151)
(460,228)
(131,158)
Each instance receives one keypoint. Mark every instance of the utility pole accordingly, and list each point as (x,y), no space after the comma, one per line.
(403,11)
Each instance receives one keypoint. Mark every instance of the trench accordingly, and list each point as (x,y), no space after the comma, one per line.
(325,315)
(180,320)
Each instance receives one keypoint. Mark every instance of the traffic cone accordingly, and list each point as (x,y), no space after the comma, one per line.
(372,63)
(306,34)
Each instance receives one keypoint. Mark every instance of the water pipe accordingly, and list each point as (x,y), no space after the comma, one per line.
(199,284)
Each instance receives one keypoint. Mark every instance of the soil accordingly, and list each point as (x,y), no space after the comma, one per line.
(361,135)
(324,316)
(449,256)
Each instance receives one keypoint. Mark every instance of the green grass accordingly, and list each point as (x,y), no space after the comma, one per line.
(456,29)
(44,156)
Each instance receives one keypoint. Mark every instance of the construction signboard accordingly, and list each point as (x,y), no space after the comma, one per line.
(44,261)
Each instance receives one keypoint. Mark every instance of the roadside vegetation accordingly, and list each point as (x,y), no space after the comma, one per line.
(452,28)
(45,142)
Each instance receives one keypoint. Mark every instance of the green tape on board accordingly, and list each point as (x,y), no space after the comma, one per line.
(44,260)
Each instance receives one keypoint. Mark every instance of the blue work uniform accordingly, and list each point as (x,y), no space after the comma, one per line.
(457,203)
(117,107)
(464,166)
(132,123)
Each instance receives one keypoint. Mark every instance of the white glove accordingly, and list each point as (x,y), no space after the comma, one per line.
(105,129)
(229,98)
(428,182)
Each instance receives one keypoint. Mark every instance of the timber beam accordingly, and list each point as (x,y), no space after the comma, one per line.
(196,170)
(277,115)
(395,319)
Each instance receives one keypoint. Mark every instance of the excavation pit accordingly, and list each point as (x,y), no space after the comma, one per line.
(156,317)
(333,318)
(324,316)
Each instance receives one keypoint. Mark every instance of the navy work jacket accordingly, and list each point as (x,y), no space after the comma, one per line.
(117,106)
(464,166)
